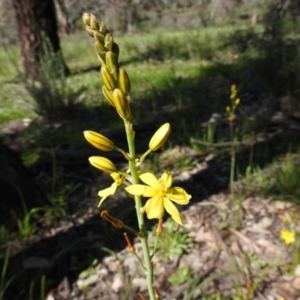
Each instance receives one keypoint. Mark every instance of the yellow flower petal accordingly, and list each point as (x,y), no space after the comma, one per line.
(141,190)
(179,195)
(161,194)
(149,178)
(107,192)
(155,208)
(167,179)
(173,211)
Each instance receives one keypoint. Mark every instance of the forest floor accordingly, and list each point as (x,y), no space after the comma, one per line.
(230,246)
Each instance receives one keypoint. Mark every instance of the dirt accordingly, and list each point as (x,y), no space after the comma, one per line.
(235,246)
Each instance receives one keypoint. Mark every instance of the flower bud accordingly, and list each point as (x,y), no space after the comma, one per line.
(159,228)
(124,82)
(116,49)
(86,18)
(108,95)
(115,222)
(237,101)
(99,37)
(129,244)
(108,79)
(101,56)
(98,140)
(103,164)
(111,60)
(90,31)
(121,104)
(108,41)
(94,23)
(160,137)
(103,29)
(99,46)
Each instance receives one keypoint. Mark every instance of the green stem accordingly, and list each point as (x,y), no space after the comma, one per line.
(232,167)
(138,206)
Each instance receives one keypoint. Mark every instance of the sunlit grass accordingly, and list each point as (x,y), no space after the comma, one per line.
(9,62)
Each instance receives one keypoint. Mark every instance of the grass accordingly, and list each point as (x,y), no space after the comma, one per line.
(280,181)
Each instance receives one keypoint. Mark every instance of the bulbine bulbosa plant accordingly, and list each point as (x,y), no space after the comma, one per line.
(161,194)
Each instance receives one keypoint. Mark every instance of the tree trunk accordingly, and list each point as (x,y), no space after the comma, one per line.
(37,27)
(62,17)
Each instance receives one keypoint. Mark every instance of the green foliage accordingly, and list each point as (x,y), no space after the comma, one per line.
(54,96)
(287,180)
(26,227)
(174,240)
(161,46)
(272,53)
(181,276)
(4,282)
(283,183)
(5,235)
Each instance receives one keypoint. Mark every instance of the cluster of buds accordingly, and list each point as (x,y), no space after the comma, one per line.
(116,88)
(235,101)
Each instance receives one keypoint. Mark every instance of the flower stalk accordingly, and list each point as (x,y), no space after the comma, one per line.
(138,207)
(116,89)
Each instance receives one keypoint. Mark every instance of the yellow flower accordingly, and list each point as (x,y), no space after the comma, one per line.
(231,118)
(118,180)
(161,195)
(287,236)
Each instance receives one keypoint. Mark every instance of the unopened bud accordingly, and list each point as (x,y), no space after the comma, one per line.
(86,18)
(237,101)
(231,118)
(108,41)
(115,222)
(111,60)
(160,137)
(99,37)
(103,29)
(124,82)
(121,104)
(107,78)
(116,49)
(98,140)
(129,244)
(108,95)
(90,31)
(103,164)
(94,23)
(156,293)
(159,227)
(99,46)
